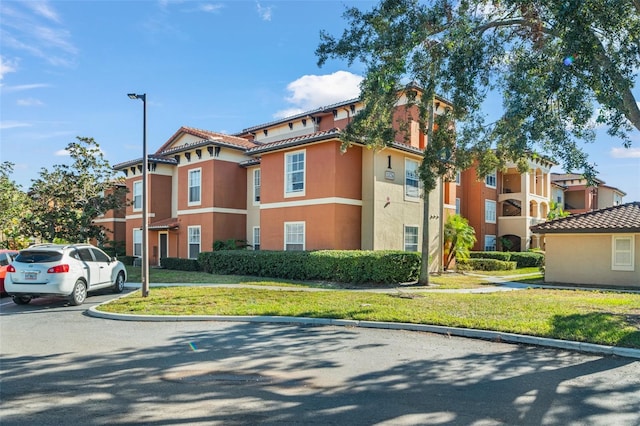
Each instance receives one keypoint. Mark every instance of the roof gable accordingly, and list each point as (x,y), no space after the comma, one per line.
(618,219)
(185,137)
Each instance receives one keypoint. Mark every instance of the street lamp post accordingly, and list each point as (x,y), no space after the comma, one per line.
(145,199)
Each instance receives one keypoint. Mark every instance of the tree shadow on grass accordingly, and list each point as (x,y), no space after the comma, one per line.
(597,327)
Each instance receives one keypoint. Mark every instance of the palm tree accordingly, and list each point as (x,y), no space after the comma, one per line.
(459,237)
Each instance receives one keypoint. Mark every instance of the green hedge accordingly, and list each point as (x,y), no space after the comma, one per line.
(127,260)
(180,264)
(485,265)
(522,259)
(346,266)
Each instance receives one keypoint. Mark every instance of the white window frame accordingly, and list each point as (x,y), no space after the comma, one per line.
(191,240)
(411,192)
(256,237)
(458,177)
(137,242)
(190,185)
(411,245)
(288,174)
(137,195)
(491,180)
(490,211)
(616,264)
(287,242)
(257,176)
(457,205)
(490,247)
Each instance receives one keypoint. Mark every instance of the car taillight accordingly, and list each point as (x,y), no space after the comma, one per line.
(10,268)
(58,269)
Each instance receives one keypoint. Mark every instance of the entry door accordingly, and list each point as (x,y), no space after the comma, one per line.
(164,246)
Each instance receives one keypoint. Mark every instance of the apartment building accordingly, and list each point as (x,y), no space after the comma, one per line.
(579,197)
(285,185)
(502,206)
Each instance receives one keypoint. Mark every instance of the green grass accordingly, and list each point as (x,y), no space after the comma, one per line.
(607,318)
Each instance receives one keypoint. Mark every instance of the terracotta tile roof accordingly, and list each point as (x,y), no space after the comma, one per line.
(206,136)
(170,223)
(151,158)
(555,177)
(295,141)
(619,219)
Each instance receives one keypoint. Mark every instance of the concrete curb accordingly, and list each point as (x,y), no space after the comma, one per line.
(450,331)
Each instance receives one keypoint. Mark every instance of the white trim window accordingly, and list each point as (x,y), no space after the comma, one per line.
(458,177)
(294,236)
(195,187)
(411,179)
(491,180)
(194,239)
(622,253)
(137,242)
(489,211)
(410,238)
(457,205)
(256,187)
(489,243)
(137,195)
(256,238)
(294,173)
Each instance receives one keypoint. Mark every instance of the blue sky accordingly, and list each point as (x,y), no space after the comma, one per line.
(66,68)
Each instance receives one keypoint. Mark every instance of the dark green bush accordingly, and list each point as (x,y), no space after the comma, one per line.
(485,265)
(528,259)
(498,255)
(180,264)
(346,266)
(127,260)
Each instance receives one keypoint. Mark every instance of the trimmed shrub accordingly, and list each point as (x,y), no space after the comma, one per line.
(127,260)
(528,259)
(498,255)
(346,266)
(485,265)
(180,264)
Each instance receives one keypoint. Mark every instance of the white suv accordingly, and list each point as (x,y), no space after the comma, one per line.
(62,270)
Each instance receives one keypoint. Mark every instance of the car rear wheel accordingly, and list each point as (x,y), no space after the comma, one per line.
(21,300)
(118,286)
(79,293)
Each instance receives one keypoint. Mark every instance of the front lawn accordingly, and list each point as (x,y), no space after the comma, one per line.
(607,318)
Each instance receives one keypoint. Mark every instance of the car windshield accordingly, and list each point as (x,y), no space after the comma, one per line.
(38,256)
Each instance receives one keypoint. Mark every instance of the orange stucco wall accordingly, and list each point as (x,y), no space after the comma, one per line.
(474,194)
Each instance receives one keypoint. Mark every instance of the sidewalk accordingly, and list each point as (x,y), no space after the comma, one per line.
(501,284)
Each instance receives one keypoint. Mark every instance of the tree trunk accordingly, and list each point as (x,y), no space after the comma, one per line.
(426,239)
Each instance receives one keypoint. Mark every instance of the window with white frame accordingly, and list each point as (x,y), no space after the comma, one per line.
(489,243)
(256,186)
(195,185)
(458,178)
(294,173)
(489,211)
(457,205)
(410,238)
(491,179)
(137,242)
(411,179)
(622,257)
(256,238)
(137,195)
(194,241)
(294,236)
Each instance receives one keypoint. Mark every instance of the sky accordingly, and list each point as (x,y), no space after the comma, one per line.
(66,68)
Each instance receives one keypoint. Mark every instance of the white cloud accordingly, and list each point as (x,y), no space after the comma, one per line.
(13,124)
(264,12)
(43,9)
(7,66)
(29,102)
(22,87)
(211,7)
(625,152)
(61,153)
(313,91)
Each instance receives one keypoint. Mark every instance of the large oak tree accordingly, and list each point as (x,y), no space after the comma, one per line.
(561,67)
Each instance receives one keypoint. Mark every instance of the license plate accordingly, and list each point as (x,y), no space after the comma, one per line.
(30,275)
